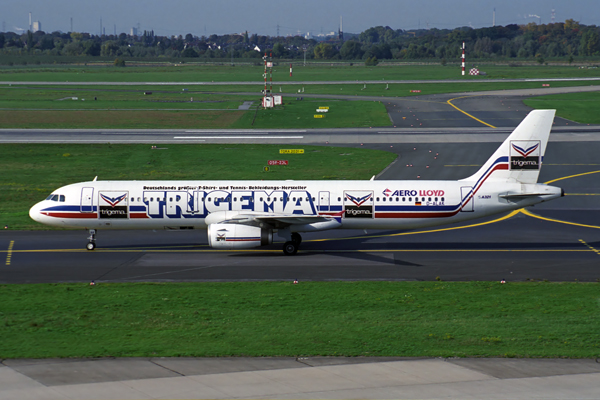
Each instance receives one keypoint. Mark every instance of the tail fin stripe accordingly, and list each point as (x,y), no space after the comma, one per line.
(500,164)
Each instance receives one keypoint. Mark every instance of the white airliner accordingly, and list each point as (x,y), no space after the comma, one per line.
(245,214)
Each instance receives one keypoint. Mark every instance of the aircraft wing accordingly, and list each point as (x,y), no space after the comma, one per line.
(277,220)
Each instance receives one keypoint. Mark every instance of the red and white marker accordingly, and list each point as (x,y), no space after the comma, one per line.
(463,58)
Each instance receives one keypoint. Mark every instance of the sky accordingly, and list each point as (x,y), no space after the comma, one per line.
(200,17)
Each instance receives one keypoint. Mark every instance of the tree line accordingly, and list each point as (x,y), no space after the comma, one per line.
(531,41)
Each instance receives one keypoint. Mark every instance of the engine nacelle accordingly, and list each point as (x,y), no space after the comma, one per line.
(238,236)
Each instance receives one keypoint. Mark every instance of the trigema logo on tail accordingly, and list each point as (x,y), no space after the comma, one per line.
(113,205)
(525,154)
(358,204)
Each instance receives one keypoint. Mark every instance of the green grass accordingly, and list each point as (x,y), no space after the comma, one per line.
(311,72)
(301,114)
(169,108)
(434,319)
(31,171)
(213,107)
(580,107)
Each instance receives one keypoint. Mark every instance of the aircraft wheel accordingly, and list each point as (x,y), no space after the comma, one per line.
(296,238)
(290,248)
(90,246)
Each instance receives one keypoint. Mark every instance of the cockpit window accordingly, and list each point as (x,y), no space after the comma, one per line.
(56,197)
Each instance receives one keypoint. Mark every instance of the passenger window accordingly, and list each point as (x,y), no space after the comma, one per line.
(404,199)
(384,199)
(170,199)
(151,198)
(435,199)
(410,199)
(442,199)
(261,199)
(339,199)
(378,199)
(429,199)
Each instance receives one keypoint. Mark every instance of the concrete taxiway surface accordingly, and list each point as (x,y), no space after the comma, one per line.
(534,244)
(295,378)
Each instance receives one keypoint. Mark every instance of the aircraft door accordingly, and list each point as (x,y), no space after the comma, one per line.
(466,196)
(323,201)
(87,199)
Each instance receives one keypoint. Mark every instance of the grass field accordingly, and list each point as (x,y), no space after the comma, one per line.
(311,72)
(31,171)
(170,108)
(581,107)
(435,319)
(211,107)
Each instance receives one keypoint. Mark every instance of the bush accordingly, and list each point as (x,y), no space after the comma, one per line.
(371,61)
(119,62)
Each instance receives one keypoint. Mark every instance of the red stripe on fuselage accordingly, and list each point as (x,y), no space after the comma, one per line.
(138,215)
(71,215)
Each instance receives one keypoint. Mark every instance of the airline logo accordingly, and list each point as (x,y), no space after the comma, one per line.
(113,205)
(113,201)
(525,155)
(358,204)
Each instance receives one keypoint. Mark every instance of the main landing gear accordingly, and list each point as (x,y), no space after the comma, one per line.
(290,248)
(92,240)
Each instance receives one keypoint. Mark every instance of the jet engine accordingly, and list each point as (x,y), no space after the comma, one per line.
(238,236)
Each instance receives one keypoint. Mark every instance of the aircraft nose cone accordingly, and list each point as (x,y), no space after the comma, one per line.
(34,212)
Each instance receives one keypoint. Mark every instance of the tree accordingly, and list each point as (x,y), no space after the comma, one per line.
(189,52)
(324,51)
(91,48)
(279,50)
(351,50)
(371,61)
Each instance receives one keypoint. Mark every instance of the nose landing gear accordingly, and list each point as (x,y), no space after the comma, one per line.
(92,240)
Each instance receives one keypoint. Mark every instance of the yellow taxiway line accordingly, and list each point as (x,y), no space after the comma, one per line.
(466,113)
(571,176)
(9,252)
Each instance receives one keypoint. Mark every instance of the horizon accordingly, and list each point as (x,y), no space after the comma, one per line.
(203,18)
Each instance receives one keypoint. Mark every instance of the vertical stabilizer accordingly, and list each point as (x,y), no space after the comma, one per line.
(519,158)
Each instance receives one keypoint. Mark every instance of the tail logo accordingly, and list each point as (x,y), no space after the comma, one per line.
(525,155)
